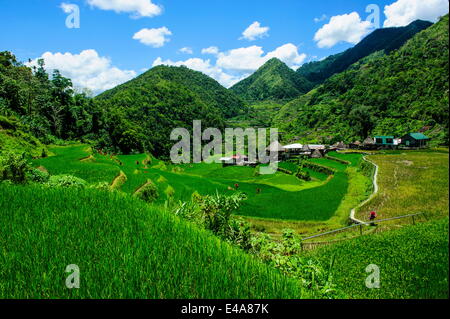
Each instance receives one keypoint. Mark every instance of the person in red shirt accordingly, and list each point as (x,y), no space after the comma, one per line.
(372,217)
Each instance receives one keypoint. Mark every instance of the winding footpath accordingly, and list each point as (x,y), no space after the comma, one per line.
(375,191)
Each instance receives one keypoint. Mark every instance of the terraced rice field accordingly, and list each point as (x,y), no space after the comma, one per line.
(276,196)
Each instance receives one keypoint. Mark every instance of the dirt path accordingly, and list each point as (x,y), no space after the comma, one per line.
(375,191)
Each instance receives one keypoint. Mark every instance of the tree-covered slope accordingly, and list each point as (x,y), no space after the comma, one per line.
(382,94)
(386,39)
(208,90)
(273,81)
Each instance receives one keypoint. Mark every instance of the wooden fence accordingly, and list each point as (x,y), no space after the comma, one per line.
(312,245)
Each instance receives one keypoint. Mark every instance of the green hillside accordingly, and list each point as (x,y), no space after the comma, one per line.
(394,94)
(208,90)
(273,81)
(124,249)
(386,40)
(413,262)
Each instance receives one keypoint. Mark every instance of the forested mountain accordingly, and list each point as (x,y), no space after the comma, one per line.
(382,94)
(141,113)
(273,81)
(208,90)
(385,39)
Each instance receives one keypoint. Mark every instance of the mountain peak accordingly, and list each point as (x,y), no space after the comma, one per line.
(272,81)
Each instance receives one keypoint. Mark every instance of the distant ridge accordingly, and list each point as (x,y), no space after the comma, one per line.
(385,39)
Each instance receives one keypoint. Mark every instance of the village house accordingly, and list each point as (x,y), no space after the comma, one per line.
(415,140)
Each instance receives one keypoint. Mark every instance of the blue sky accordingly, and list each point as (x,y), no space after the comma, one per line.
(108,30)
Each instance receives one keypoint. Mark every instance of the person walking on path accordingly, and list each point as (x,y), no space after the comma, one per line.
(372,217)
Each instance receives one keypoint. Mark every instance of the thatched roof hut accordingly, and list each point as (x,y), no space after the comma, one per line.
(274,147)
(368,141)
(316,154)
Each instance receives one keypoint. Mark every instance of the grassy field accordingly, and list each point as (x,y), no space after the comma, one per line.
(410,183)
(124,249)
(413,262)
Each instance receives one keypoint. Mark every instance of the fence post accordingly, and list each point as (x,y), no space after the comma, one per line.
(414,220)
(360,229)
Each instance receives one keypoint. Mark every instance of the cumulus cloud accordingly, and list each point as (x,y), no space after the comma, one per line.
(251,58)
(342,28)
(211,50)
(255,31)
(403,12)
(241,59)
(153,37)
(138,8)
(86,70)
(288,53)
(186,50)
(205,67)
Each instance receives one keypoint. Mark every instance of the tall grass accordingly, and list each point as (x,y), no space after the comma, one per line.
(413,262)
(124,249)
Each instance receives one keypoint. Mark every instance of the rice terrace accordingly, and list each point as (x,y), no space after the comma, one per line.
(356,204)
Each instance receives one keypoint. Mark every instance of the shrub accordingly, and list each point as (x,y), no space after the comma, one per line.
(102,186)
(148,192)
(13,167)
(38,176)
(217,210)
(196,197)
(66,181)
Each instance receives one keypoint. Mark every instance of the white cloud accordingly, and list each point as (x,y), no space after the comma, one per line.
(86,70)
(241,59)
(343,28)
(288,53)
(403,12)
(186,50)
(153,37)
(205,67)
(254,31)
(249,59)
(211,50)
(68,7)
(139,8)
(322,18)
